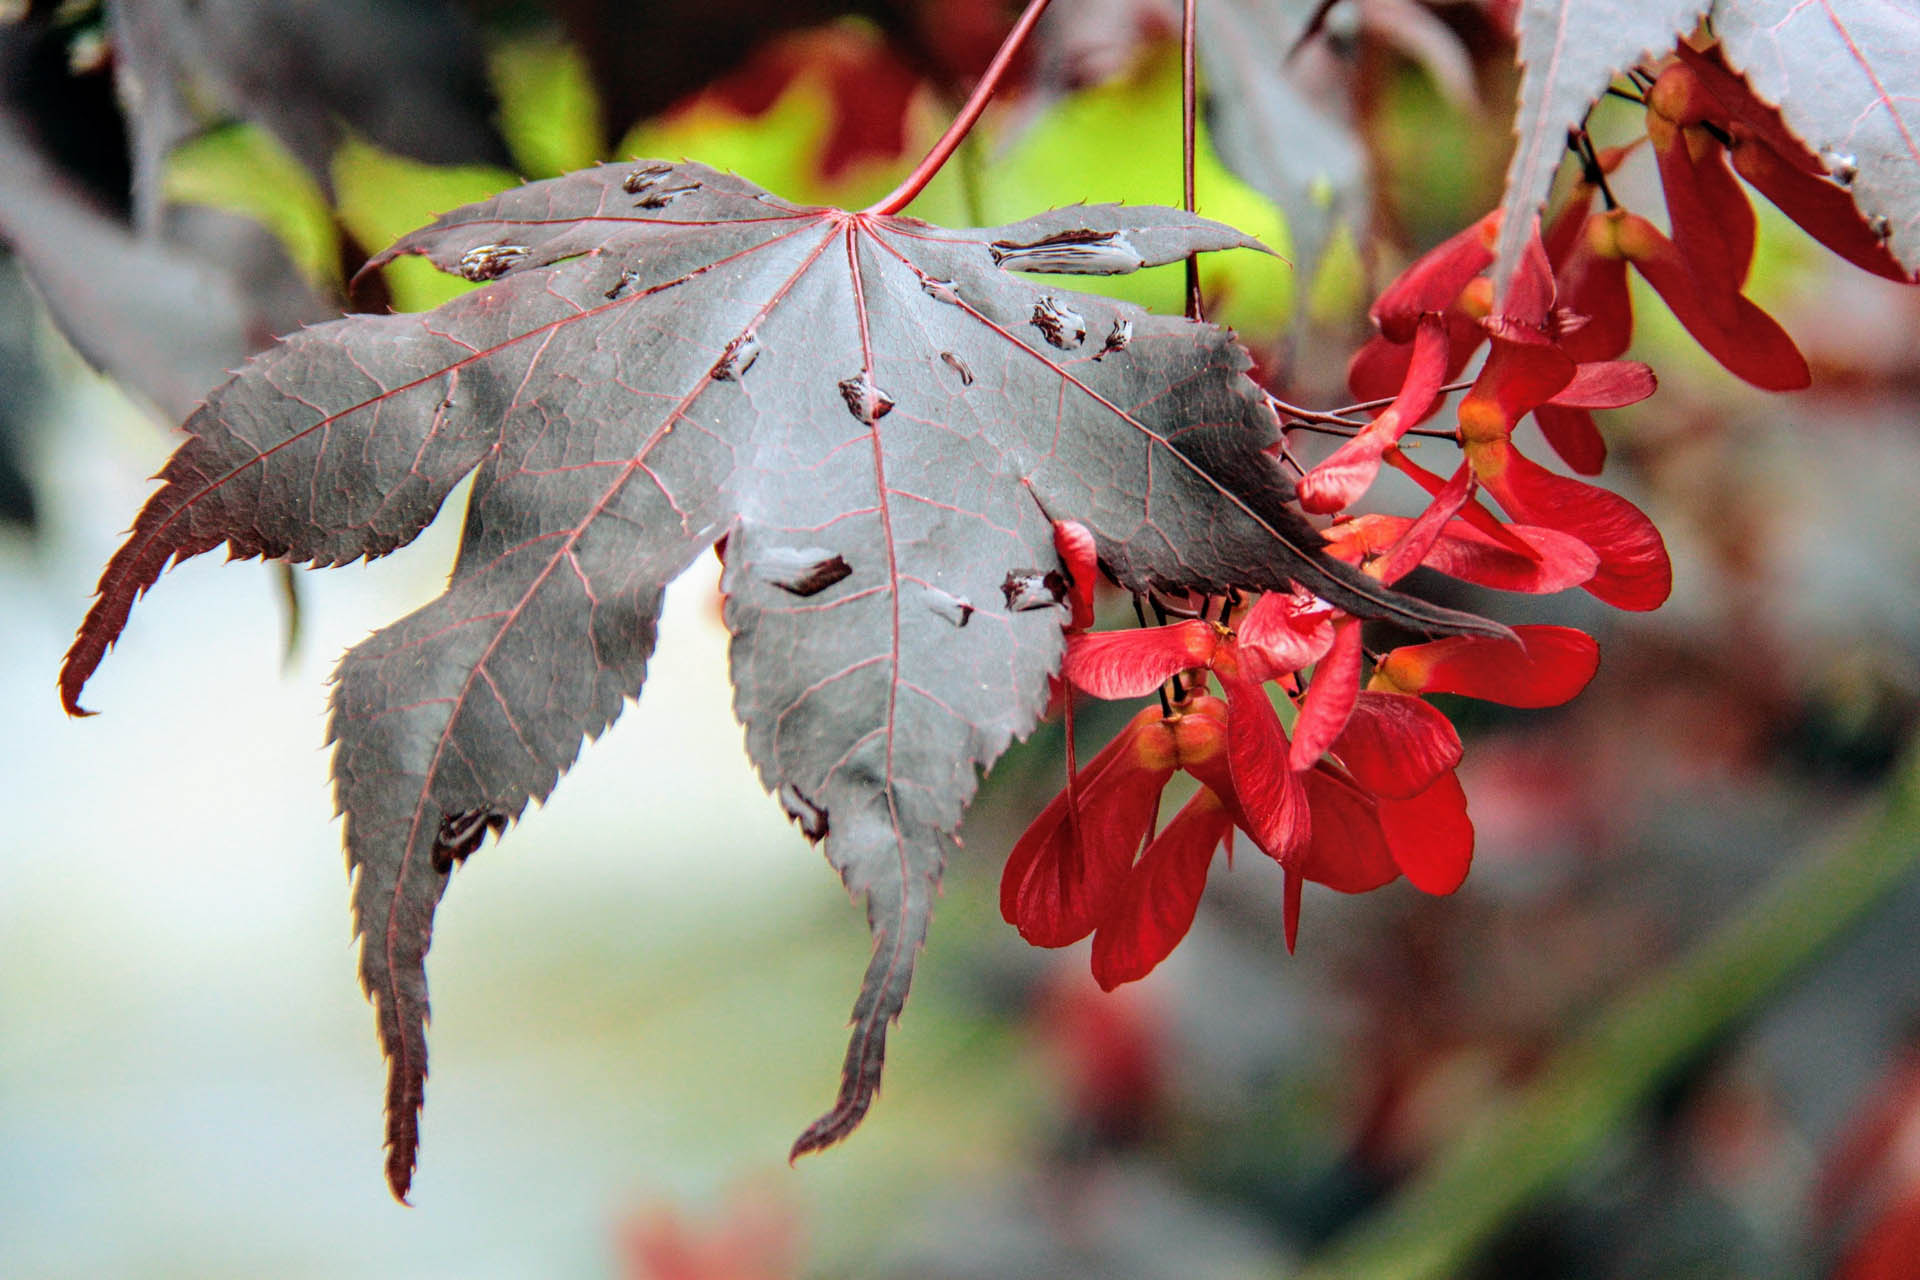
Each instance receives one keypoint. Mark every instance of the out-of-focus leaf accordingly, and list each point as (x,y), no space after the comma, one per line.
(1569,51)
(167,318)
(406,74)
(1302,156)
(20,375)
(1845,80)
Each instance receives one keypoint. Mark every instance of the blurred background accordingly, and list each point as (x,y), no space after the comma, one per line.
(1670,1026)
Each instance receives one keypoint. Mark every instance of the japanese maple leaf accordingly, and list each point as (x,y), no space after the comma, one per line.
(880,419)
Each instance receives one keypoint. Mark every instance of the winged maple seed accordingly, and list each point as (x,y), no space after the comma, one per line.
(881,420)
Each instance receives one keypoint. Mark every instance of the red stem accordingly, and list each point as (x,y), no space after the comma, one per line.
(901,196)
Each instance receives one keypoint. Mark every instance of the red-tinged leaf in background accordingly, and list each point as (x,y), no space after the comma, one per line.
(1847,85)
(1888,1247)
(1430,835)
(1156,904)
(1634,571)
(624,44)
(879,415)
(409,75)
(1569,51)
(1548,666)
(1346,851)
(1461,551)
(869,87)
(1396,745)
(1064,870)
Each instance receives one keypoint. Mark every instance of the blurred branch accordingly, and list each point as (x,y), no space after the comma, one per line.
(1525,1148)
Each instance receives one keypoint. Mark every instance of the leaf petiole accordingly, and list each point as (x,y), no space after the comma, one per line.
(914,183)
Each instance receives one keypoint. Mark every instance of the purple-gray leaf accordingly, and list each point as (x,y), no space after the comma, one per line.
(862,406)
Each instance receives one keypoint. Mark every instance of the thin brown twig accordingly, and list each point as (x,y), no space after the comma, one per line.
(1188,137)
(1384,401)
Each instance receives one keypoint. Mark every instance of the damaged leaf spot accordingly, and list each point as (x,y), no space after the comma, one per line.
(804,572)
(620,286)
(864,400)
(644,177)
(1030,589)
(811,818)
(487,261)
(737,358)
(661,197)
(1060,326)
(949,606)
(940,290)
(959,366)
(461,833)
(1117,338)
(1085,253)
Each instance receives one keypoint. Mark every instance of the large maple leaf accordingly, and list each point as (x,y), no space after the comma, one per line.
(878,416)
